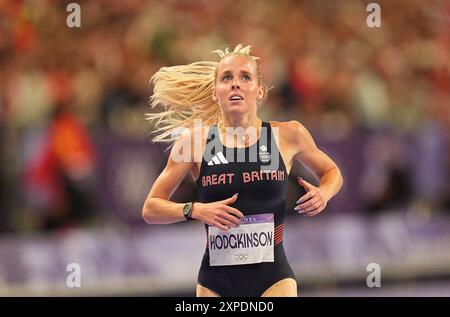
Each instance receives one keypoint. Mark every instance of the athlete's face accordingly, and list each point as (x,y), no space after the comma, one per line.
(237,88)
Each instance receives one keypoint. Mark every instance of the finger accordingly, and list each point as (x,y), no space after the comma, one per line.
(309,203)
(301,208)
(226,222)
(230,200)
(304,198)
(230,218)
(308,208)
(220,226)
(234,211)
(315,212)
(313,207)
(305,184)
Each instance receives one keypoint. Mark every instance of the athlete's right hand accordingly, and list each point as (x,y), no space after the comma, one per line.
(218,213)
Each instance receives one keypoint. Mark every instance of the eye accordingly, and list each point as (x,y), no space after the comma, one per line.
(226,77)
(246,77)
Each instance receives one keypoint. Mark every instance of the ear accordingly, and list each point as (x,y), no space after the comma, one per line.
(261,91)
(214,96)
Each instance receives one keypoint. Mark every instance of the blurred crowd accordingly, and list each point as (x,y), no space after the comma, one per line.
(63,89)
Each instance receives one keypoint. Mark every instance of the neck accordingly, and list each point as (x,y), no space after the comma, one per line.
(245,120)
(247,128)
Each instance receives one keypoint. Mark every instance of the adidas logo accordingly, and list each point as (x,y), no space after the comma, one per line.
(218,159)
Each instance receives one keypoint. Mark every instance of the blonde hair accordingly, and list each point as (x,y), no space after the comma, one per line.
(185,92)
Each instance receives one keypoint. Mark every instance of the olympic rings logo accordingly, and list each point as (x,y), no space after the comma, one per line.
(241,257)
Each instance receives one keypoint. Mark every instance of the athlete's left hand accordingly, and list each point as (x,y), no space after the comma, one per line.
(313,202)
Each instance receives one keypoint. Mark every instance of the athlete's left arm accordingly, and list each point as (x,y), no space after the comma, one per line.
(322,166)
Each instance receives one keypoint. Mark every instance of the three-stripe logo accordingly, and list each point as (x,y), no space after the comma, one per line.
(218,159)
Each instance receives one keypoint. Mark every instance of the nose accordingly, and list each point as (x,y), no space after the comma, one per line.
(235,84)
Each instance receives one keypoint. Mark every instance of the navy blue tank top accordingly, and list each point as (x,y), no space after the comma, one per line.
(256,172)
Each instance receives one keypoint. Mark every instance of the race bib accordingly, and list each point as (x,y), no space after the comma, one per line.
(251,242)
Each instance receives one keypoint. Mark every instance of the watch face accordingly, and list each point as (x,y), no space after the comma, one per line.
(187,210)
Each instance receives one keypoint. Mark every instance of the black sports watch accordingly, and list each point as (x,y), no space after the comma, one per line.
(187,211)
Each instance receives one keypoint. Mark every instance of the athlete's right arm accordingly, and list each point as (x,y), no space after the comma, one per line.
(158,209)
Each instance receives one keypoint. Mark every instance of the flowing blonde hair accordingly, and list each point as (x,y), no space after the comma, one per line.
(185,92)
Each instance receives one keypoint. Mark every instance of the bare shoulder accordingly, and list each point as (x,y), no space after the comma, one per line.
(291,132)
(190,135)
(191,142)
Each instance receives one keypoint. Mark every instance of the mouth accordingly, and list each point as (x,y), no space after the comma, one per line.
(236,97)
